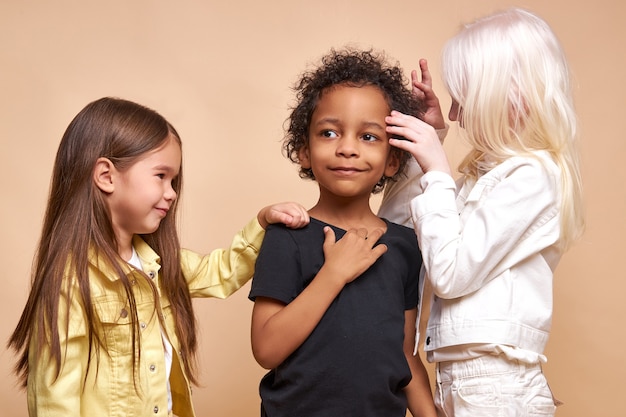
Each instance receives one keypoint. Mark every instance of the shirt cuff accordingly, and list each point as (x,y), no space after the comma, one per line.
(437,180)
(442,133)
(253,233)
(438,197)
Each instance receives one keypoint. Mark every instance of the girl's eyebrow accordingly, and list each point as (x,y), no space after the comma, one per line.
(165,167)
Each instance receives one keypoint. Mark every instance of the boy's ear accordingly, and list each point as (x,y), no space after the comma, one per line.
(103,175)
(304,158)
(393,164)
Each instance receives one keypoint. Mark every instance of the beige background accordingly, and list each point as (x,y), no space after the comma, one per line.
(220,71)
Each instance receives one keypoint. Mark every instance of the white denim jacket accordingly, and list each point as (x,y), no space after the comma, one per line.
(489,250)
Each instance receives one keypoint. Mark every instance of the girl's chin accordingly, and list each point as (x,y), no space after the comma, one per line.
(150,229)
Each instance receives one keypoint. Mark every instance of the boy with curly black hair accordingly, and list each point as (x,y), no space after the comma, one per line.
(334,320)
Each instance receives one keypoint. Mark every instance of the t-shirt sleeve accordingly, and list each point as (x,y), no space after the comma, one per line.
(277,270)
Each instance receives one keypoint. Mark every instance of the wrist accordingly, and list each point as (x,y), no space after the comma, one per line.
(332,278)
(261,217)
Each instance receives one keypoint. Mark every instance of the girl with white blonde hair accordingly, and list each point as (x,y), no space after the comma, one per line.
(491,240)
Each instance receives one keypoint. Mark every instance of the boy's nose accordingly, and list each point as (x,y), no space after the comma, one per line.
(348,146)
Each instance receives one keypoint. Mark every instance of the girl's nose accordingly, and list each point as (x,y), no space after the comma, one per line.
(456,112)
(170,193)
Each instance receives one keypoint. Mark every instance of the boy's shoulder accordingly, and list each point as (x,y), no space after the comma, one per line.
(314,227)
(399,229)
(400,235)
(311,235)
(315,230)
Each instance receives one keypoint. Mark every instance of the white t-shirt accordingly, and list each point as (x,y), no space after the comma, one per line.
(167,346)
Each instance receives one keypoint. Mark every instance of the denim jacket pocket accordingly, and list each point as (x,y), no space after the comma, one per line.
(116,318)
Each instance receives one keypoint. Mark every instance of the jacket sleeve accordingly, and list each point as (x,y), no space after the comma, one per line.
(396,203)
(509,215)
(223,271)
(49,395)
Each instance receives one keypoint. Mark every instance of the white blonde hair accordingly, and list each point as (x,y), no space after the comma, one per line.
(510,77)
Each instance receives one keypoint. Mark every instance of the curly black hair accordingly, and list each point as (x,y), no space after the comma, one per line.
(355,68)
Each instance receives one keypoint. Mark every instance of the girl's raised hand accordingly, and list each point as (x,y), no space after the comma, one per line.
(420,139)
(292,215)
(424,91)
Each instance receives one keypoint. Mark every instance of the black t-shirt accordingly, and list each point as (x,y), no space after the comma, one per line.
(353,363)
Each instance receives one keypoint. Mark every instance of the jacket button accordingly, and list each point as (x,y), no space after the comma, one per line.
(156,409)
(142,325)
(123,313)
(428,340)
(152,368)
(151,274)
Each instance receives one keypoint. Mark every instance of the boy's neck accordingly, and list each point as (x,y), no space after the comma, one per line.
(346,215)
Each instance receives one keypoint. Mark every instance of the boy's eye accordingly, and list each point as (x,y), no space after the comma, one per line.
(369,137)
(161,176)
(329,134)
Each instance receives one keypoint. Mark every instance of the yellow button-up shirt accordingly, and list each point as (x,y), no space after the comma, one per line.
(109,389)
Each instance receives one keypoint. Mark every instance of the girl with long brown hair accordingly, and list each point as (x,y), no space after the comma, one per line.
(108,328)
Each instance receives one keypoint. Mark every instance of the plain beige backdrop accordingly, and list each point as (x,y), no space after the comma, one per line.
(221,72)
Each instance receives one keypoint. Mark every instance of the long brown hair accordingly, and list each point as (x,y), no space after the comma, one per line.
(77,222)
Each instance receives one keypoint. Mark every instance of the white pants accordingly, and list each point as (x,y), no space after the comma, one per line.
(492,386)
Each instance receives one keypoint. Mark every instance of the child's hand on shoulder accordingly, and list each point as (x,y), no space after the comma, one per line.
(292,215)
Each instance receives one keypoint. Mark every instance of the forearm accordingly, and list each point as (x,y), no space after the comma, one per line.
(418,391)
(224,271)
(396,203)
